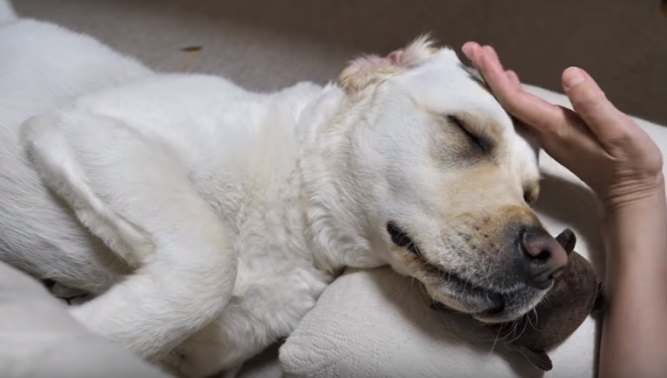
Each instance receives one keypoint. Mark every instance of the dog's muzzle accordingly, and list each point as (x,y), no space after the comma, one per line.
(535,259)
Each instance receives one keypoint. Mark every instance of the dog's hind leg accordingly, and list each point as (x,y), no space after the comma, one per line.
(133,192)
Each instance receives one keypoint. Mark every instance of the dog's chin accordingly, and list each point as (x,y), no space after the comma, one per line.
(516,305)
(486,304)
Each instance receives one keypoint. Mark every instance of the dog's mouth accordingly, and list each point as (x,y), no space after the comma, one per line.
(455,292)
(402,239)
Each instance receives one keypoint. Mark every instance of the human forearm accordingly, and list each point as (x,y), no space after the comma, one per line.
(635,325)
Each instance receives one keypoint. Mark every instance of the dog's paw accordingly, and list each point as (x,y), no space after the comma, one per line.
(70,295)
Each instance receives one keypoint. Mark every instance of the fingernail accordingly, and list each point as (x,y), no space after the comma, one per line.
(467,50)
(572,77)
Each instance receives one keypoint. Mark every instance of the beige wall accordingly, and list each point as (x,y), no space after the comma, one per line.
(267,44)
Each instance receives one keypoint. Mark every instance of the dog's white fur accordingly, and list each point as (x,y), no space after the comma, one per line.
(208,219)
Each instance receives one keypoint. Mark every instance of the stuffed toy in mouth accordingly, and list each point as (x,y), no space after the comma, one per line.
(575,294)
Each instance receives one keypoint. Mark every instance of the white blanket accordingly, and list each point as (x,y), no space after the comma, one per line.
(38,338)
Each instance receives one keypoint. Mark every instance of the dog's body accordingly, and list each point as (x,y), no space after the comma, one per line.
(277,279)
(207,219)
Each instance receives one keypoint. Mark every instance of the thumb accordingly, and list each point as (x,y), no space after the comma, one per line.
(590,102)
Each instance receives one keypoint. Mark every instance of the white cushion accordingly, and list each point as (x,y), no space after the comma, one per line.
(38,338)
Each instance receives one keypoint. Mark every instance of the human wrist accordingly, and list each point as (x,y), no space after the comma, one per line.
(635,229)
(650,196)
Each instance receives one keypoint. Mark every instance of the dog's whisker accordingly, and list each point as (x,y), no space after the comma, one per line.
(495,340)
(523,329)
(535,325)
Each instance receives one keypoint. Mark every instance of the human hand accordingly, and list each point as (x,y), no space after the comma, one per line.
(596,141)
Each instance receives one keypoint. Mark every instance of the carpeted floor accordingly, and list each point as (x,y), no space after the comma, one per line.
(265,45)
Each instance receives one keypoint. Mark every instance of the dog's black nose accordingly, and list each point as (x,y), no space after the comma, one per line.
(542,258)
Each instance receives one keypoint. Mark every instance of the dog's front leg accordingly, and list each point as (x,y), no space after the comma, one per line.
(132,191)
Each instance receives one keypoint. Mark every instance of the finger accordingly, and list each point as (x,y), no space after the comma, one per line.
(491,53)
(514,78)
(560,131)
(530,109)
(589,101)
(555,126)
(574,146)
(475,53)
(469,48)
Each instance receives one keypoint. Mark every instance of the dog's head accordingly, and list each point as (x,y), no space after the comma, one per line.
(449,182)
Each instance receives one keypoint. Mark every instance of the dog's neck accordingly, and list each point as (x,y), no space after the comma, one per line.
(336,210)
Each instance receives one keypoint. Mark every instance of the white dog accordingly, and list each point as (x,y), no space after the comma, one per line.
(207,219)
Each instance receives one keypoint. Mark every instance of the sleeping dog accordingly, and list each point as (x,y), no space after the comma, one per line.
(206,219)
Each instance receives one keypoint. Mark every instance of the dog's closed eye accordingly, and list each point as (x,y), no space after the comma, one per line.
(474,139)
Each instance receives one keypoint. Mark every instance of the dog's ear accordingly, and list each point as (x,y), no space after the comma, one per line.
(567,239)
(367,70)
(372,69)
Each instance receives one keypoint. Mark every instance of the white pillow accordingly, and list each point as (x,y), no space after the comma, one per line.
(378,324)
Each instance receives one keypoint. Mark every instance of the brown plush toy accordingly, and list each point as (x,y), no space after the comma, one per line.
(576,292)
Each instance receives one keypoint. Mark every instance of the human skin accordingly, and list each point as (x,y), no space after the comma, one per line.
(623,166)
